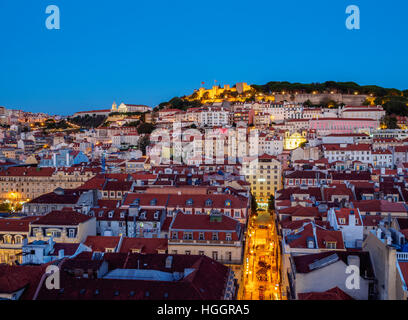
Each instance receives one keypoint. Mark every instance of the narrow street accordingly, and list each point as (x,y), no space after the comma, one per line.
(261,267)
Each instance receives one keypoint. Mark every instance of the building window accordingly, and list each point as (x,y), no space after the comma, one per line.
(228,237)
(188,236)
(201,253)
(331,245)
(215,236)
(174,235)
(7,239)
(54,233)
(18,239)
(201,236)
(215,255)
(71,233)
(188,252)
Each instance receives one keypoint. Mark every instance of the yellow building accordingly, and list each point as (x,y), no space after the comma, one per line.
(265,177)
(294,140)
(214,94)
(13,231)
(22,183)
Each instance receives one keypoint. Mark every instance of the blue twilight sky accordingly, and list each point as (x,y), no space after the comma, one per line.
(146,52)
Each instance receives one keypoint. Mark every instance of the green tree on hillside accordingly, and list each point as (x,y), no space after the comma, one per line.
(271,203)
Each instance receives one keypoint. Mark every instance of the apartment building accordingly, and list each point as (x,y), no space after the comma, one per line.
(265,176)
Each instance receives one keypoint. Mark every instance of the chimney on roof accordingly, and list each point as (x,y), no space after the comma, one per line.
(169,261)
(353,260)
(379,233)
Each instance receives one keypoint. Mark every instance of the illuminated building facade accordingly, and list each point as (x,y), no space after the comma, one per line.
(294,140)
(265,177)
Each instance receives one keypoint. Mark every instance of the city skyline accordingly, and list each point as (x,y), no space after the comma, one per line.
(143,53)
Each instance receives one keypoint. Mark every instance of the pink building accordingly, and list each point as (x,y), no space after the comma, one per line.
(327,126)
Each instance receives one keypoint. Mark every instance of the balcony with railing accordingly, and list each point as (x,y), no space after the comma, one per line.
(402,256)
(205,242)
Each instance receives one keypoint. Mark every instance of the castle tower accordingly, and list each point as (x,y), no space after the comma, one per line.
(114,107)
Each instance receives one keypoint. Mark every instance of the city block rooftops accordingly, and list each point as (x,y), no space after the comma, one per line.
(59,196)
(143,245)
(108,214)
(343,216)
(65,217)
(101,243)
(187,200)
(117,185)
(285,194)
(297,224)
(204,222)
(351,176)
(330,295)
(371,221)
(143,176)
(145,199)
(310,262)
(16,278)
(111,204)
(69,248)
(27,171)
(299,174)
(337,190)
(226,201)
(379,206)
(134,278)
(347,147)
(94,183)
(16,224)
(320,237)
(300,211)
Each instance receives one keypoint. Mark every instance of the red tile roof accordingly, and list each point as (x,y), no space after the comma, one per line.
(70,196)
(28,171)
(101,243)
(146,245)
(332,294)
(16,225)
(302,262)
(69,248)
(14,278)
(207,281)
(379,206)
(202,222)
(65,217)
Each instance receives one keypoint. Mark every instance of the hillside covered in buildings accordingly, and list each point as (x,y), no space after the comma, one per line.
(237,192)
